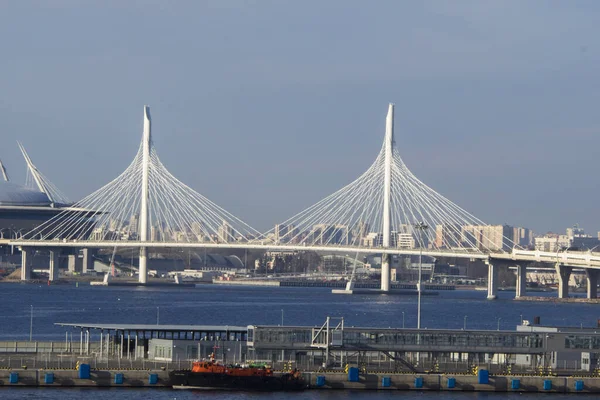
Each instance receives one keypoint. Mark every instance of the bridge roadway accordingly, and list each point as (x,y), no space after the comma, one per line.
(573,259)
(563,262)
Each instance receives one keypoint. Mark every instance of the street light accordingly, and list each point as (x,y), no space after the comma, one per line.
(402,319)
(282,317)
(499,323)
(465,324)
(157,314)
(31,324)
(421,227)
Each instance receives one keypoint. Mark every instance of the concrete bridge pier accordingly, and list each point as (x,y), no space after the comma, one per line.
(592,282)
(88,261)
(492,281)
(53,266)
(521,280)
(385,273)
(564,273)
(72,263)
(26,263)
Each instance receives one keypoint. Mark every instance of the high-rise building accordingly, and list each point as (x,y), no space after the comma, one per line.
(134,222)
(225,233)
(522,237)
(552,242)
(448,236)
(488,237)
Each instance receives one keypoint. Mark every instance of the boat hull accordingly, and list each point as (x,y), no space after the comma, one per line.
(186,379)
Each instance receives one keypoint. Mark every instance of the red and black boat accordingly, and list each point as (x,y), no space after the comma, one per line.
(211,375)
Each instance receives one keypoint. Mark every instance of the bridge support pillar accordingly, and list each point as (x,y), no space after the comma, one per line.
(26,263)
(88,261)
(53,267)
(73,263)
(564,273)
(592,282)
(521,281)
(492,281)
(143,269)
(385,273)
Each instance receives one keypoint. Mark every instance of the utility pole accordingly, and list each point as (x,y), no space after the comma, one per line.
(31,324)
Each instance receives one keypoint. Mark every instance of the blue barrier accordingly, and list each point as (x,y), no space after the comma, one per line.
(419,382)
(49,378)
(483,376)
(320,380)
(84,371)
(386,381)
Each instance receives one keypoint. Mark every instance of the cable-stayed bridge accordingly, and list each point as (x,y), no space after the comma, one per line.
(386,210)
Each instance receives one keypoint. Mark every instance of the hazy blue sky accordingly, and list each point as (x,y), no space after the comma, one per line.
(265,106)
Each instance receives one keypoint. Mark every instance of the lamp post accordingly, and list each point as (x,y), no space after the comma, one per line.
(465,324)
(282,317)
(157,314)
(421,227)
(31,324)
(402,319)
(499,323)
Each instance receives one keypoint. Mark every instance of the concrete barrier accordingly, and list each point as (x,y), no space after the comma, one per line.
(439,382)
(332,380)
(98,378)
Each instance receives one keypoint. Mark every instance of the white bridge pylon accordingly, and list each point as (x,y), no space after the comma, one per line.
(145,204)
(389,207)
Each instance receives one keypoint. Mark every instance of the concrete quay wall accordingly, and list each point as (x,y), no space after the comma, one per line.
(98,378)
(439,382)
(332,380)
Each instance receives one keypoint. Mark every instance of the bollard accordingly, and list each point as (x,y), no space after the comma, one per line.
(49,378)
(153,379)
(119,379)
(483,376)
(418,382)
(320,381)
(515,384)
(578,386)
(386,381)
(451,383)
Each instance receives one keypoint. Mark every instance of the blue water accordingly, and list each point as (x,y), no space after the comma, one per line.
(218,305)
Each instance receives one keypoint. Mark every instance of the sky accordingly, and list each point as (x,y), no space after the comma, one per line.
(265,107)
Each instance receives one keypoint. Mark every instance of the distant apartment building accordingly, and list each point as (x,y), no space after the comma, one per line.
(522,237)
(225,233)
(488,237)
(326,234)
(448,236)
(552,242)
(579,239)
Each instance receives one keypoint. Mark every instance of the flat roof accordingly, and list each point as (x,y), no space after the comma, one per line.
(162,328)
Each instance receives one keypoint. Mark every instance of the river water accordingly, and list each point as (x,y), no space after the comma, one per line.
(227,305)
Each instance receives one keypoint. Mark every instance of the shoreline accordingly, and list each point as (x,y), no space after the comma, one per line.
(128,378)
